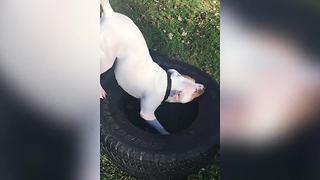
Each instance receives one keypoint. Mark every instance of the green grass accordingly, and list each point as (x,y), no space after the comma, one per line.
(186,30)
(110,172)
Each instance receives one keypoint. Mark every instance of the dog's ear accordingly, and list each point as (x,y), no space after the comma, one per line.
(174,72)
(190,78)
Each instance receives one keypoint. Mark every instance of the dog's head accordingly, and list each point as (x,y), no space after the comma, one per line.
(184,88)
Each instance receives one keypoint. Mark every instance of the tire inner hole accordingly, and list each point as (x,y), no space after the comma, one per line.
(173,117)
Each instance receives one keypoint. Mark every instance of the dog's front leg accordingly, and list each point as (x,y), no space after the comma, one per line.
(153,122)
(148,107)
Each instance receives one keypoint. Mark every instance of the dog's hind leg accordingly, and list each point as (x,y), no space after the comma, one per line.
(106,62)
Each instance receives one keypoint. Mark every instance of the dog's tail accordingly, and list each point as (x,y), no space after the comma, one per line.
(106,7)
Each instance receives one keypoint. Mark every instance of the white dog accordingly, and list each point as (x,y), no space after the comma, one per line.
(136,72)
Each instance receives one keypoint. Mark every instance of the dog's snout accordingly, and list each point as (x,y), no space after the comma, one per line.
(200,89)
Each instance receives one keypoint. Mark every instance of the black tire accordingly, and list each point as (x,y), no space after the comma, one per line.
(146,155)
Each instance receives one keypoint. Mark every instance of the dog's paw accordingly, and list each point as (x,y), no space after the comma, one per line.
(164,132)
(103,94)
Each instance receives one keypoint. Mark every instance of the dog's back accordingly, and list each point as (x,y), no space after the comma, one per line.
(122,40)
(119,33)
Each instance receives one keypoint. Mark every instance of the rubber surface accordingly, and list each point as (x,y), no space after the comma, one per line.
(143,154)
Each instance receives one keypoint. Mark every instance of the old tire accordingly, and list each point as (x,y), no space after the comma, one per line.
(135,149)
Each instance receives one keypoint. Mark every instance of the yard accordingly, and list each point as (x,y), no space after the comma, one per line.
(185,30)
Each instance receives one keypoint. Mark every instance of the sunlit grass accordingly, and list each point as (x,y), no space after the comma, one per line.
(187,30)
